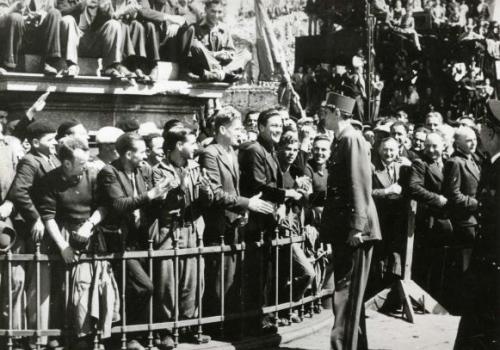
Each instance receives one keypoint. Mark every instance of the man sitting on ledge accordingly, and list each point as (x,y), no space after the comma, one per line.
(33,25)
(93,33)
(209,48)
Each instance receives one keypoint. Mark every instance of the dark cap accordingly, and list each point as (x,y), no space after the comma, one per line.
(64,127)
(344,103)
(493,114)
(39,128)
(7,236)
(128,125)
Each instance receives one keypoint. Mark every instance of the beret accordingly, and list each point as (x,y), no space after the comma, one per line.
(108,134)
(128,125)
(63,129)
(38,129)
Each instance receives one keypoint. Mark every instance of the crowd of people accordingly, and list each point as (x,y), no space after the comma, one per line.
(130,37)
(239,180)
(447,65)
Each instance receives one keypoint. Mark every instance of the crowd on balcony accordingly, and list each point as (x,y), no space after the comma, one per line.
(130,37)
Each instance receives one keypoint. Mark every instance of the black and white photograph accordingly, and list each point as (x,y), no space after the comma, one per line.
(250,174)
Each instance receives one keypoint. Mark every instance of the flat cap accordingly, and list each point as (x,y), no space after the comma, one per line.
(39,128)
(493,114)
(128,125)
(108,134)
(7,236)
(149,128)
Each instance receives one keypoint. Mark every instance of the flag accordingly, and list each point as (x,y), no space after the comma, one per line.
(269,51)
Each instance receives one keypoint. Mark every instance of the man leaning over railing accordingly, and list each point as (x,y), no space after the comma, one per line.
(39,161)
(68,209)
(128,194)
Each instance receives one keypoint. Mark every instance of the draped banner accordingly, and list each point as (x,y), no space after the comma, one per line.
(269,52)
(494,6)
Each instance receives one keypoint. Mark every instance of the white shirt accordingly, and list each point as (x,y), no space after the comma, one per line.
(495,157)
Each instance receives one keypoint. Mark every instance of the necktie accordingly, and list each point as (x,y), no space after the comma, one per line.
(137,212)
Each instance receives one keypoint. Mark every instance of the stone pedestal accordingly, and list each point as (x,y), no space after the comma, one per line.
(98,101)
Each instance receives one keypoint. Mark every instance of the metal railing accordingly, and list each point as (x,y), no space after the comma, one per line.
(277,245)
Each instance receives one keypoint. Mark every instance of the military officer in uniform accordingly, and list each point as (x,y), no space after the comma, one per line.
(480,324)
(349,222)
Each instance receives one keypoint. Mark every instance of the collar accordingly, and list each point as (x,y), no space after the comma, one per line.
(318,168)
(269,146)
(344,132)
(495,157)
(167,165)
(204,23)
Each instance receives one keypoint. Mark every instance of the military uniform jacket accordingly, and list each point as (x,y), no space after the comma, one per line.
(488,245)
(214,39)
(349,203)
(183,205)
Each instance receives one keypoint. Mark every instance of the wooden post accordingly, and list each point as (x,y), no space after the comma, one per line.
(407,289)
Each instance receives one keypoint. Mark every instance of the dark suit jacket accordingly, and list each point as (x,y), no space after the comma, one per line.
(349,203)
(392,212)
(460,183)
(425,185)
(117,194)
(228,205)
(260,173)
(26,185)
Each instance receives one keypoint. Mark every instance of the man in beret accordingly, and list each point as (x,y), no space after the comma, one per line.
(480,324)
(31,169)
(129,125)
(349,222)
(105,139)
(72,127)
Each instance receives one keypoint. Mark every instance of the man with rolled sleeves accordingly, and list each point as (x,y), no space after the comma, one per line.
(480,324)
(350,223)
(23,194)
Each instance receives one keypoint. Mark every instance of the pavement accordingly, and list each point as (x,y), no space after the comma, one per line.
(429,332)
